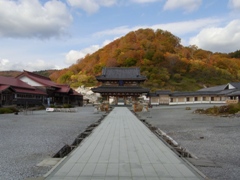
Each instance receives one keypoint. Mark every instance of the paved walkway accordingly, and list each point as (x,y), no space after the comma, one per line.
(123,148)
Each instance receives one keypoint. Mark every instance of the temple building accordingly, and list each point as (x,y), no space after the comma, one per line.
(121,84)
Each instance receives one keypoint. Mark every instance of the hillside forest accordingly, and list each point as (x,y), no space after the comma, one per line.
(166,63)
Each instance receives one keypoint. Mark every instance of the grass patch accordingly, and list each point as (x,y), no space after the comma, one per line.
(62,106)
(8,110)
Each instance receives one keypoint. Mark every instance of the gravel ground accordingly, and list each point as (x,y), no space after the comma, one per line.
(26,140)
(207,137)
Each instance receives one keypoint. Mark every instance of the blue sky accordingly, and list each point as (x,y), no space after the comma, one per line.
(47,34)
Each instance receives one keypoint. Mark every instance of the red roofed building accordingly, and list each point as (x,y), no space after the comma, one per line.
(56,93)
(15,91)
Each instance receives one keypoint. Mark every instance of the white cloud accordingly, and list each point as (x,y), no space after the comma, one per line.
(219,39)
(187,5)
(3,62)
(40,65)
(37,65)
(107,3)
(91,6)
(234,4)
(179,28)
(144,1)
(176,28)
(118,31)
(28,18)
(73,55)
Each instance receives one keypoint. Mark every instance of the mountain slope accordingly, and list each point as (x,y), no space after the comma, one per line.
(46,73)
(160,56)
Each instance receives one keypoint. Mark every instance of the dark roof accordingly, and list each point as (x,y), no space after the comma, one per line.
(163,92)
(215,88)
(196,93)
(152,94)
(121,73)
(234,93)
(159,92)
(126,89)
(235,84)
(225,92)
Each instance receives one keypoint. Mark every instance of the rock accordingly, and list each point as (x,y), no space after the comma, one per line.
(88,94)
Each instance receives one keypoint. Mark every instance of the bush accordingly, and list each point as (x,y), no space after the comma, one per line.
(67,106)
(212,110)
(226,109)
(8,110)
(233,108)
(62,106)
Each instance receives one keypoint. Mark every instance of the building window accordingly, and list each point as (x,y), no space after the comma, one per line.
(187,99)
(212,98)
(204,98)
(195,98)
(171,99)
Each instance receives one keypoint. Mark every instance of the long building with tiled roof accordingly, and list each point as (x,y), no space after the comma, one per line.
(15,91)
(56,93)
(227,93)
(32,89)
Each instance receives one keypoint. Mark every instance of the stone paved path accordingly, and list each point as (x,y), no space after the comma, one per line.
(123,148)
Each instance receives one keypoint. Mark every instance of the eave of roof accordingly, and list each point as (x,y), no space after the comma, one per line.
(225,92)
(63,89)
(28,91)
(4,87)
(153,95)
(117,89)
(196,93)
(234,93)
(102,78)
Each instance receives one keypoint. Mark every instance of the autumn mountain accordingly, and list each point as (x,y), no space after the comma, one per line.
(160,56)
